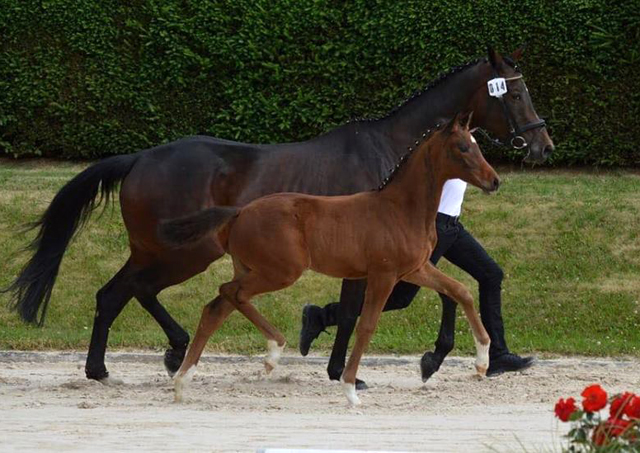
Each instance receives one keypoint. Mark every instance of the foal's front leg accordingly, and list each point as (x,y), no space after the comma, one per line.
(379,288)
(431,277)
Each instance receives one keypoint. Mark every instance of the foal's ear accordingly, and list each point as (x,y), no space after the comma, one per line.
(453,123)
(494,57)
(465,120)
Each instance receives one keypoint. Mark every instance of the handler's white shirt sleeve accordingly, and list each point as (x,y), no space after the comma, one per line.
(452,197)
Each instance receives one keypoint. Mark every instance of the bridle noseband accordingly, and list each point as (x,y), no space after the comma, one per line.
(517,140)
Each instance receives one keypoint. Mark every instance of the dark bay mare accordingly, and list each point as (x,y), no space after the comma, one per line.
(197,173)
(384,236)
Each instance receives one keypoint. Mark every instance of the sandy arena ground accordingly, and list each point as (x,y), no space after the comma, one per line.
(45,403)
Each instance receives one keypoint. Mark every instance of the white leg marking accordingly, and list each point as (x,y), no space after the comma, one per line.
(350,392)
(482,357)
(181,382)
(273,356)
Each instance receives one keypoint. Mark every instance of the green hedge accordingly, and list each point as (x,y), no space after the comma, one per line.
(87,78)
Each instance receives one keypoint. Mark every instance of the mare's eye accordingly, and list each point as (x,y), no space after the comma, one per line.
(517,97)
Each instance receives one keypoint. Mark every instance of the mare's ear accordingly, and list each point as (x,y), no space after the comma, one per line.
(465,120)
(494,57)
(453,123)
(517,54)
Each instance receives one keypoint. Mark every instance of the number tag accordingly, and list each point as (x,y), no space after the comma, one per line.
(497,87)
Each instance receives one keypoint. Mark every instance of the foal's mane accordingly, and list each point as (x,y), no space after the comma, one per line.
(405,157)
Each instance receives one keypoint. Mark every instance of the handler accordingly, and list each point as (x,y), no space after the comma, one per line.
(459,247)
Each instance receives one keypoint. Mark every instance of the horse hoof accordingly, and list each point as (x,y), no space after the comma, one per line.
(181,382)
(172,360)
(273,356)
(361,385)
(109,381)
(350,392)
(428,365)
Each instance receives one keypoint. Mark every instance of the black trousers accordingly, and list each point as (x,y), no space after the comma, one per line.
(459,247)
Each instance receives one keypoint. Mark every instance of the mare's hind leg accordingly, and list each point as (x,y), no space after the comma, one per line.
(213,315)
(178,337)
(110,300)
(379,287)
(432,278)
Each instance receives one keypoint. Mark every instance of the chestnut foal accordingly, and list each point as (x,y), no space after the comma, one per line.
(384,236)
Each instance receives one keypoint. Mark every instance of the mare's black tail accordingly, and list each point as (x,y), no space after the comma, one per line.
(69,210)
(190,228)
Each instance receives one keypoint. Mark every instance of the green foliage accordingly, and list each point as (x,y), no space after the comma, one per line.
(83,79)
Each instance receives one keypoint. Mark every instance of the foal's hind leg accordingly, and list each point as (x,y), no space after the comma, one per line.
(239,292)
(432,278)
(213,315)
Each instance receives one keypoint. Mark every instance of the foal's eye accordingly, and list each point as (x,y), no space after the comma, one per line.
(463,148)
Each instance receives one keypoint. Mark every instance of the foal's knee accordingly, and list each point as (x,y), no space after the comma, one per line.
(464,297)
(365,330)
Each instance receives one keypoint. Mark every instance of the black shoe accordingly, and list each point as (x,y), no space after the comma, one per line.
(509,362)
(312,327)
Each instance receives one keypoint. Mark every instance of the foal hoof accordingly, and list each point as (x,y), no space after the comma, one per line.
(350,392)
(172,360)
(428,365)
(481,371)
(273,356)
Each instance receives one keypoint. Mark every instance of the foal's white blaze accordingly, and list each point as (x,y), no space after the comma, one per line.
(181,382)
(275,352)
(482,357)
(473,139)
(350,392)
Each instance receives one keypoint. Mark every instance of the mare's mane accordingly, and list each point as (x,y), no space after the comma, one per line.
(434,83)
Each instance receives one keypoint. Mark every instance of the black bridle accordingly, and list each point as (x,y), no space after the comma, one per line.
(517,140)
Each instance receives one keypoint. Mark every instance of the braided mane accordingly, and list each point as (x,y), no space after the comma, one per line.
(435,82)
(405,157)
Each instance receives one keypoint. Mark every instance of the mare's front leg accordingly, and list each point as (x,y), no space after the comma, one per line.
(431,277)
(379,288)
(351,299)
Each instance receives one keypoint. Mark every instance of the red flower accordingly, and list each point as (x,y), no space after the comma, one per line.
(564,409)
(616,426)
(620,403)
(613,427)
(599,435)
(632,410)
(595,398)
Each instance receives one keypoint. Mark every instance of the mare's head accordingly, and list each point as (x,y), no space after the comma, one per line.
(457,155)
(504,107)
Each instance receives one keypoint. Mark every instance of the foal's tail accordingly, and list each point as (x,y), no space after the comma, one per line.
(190,228)
(69,210)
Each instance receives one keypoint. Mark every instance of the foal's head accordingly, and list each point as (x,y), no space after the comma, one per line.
(459,156)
